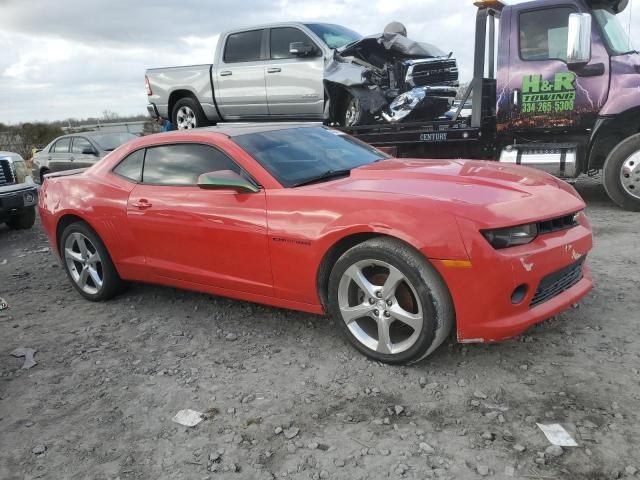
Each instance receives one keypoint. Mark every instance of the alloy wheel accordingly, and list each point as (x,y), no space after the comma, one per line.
(186,118)
(380,306)
(83,263)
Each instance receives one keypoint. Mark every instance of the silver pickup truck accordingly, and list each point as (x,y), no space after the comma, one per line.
(306,71)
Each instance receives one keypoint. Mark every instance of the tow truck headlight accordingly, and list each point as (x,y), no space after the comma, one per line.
(512,236)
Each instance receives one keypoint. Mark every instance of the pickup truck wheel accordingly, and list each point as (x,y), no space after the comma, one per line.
(24,220)
(88,263)
(188,114)
(389,301)
(353,114)
(621,174)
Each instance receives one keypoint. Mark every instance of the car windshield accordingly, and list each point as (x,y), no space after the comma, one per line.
(614,33)
(295,156)
(111,141)
(335,36)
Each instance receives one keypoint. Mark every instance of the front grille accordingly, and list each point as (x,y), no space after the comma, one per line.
(559,223)
(555,283)
(6,172)
(435,73)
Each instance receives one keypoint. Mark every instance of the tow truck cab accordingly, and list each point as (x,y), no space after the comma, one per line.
(556,86)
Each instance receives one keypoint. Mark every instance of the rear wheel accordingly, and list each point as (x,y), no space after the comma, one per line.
(621,174)
(389,302)
(23,220)
(187,114)
(88,264)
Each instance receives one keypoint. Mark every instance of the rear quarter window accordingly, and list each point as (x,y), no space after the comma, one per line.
(131,167)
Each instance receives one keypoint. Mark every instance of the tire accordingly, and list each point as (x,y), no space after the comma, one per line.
(24,220)
(187,114)
(353,114)
(621,174)
(76,260)
(419,296)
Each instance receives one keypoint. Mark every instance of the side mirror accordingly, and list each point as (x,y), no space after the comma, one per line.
(89,151)
(579,41)
(226,180)
(300,49)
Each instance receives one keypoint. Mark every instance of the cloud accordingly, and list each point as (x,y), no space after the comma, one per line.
(77,58)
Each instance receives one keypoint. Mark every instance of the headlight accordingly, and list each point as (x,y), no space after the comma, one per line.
(512,236)
(21,170)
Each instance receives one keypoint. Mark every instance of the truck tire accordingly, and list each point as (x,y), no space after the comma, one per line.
(353,114)
(22,221)
(187,114)
(621,174)
(389,302)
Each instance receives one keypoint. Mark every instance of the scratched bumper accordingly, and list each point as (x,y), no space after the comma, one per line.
(482,294)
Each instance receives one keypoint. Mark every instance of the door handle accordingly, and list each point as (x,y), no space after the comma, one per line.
(142,204)
(273,70)
(72,158)
(225,73)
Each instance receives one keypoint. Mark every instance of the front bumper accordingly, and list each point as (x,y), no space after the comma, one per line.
(17,198)
(482,294)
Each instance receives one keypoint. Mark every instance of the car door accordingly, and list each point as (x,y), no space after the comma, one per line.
(206,237)
(240,90)
(80,156)
(294,83)
(543,91)
(59,154)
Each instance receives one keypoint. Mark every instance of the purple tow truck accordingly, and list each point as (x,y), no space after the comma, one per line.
(556,86)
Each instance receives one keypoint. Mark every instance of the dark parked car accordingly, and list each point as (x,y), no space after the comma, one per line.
(79,150)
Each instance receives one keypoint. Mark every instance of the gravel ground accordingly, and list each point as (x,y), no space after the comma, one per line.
(286,397)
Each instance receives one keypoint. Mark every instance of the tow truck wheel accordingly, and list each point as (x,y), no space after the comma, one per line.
(23,220)
(187,114)
(621,174)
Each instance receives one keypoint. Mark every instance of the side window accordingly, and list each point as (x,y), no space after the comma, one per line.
(282,37)
(243,47)
(544,34)
(62,145)
(182,164)
(131,166)
(79,144)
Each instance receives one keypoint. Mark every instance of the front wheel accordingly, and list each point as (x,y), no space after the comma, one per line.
(389,302)
(23,220)
(621,174)
(353,113)
(88,263)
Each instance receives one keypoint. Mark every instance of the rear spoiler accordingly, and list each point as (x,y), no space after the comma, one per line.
(65,173)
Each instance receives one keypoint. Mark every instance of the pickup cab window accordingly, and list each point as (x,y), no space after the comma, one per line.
(281,38)
(243,47)
(544,34)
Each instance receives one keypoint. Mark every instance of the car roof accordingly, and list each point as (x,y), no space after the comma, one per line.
(237,129)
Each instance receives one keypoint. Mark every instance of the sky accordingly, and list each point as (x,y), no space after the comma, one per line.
(78,58)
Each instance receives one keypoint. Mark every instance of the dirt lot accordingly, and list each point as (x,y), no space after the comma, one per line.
(111,376)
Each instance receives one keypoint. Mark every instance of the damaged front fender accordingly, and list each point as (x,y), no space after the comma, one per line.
(391,78)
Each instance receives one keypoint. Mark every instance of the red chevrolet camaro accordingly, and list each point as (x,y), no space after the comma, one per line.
(397,251)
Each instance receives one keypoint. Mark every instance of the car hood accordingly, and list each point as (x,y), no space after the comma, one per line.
(499,194)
